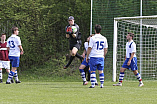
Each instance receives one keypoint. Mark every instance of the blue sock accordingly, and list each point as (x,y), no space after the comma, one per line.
(93,78)
(82,74)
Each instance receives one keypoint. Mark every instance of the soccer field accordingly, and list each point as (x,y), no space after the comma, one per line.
(76,93)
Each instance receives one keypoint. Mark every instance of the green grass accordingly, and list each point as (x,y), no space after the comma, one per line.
(76,93)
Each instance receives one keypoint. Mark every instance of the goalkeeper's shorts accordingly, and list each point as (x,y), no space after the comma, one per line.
(77,45)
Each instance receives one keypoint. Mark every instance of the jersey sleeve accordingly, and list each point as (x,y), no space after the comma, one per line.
(18,41)
(133,47)
(91,42)
(7,43)
(106,44)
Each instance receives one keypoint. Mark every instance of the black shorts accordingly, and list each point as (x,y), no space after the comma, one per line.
(77,45)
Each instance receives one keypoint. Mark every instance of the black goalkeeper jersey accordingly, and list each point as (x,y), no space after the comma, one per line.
(78,35)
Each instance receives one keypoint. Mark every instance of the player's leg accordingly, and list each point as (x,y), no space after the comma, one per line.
(93,67)
(75,50)
(16,77)
(1,81)
(138,78)
(71,59)
(1,66)
(121,76)
(7,67)
(79,56)
(134,68)
(100,68)
(10,75)
(81,69)
(8,71)
(101,77)
(15,63)
(89,73)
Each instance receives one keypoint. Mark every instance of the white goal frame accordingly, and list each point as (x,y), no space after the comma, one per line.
(115,40)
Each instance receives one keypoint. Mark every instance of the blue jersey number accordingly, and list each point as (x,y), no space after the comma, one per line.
(100,45)
(11,44)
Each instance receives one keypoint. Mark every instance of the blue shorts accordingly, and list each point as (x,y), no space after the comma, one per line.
(84,62)
(15,61)
(96,63)
(133,64)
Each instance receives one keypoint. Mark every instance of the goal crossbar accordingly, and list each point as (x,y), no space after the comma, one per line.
(138,20)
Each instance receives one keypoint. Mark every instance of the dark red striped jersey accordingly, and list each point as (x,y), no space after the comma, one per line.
(3,52)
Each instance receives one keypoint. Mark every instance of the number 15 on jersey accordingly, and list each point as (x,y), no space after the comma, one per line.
(100,45)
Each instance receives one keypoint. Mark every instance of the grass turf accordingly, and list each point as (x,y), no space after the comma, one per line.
(76,93)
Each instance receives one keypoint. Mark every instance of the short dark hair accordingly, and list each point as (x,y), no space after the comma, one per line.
(97,28)
(3,34)
(131,34)
(14,29)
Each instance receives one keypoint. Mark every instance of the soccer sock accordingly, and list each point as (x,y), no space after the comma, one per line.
(16,75)
(121,76)
(96,81)
(93,78)
(0,74)
(10,76)
(139,77)
(71,59)
(79,56)
(82,74)
(101,77)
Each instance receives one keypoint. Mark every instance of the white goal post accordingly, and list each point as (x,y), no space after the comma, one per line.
(145,30)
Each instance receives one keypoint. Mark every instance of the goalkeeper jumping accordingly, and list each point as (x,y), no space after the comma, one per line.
(74,40)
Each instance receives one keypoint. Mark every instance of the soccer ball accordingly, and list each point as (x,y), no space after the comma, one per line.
(74,29)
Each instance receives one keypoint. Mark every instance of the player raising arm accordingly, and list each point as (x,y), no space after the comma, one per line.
(74,39)
(97,50)
(130,61)
(15,49)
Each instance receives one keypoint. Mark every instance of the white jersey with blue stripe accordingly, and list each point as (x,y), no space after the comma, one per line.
(97,43)
(130,48)
(13,43)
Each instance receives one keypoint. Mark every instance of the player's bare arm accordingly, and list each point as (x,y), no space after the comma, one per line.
(105,52)
(132,55)
(88,52)
(83,54)
(21,49)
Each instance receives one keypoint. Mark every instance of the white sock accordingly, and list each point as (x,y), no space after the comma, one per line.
(16,76)
(0,74)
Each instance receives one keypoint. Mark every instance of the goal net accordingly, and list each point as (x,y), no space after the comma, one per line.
(145,30)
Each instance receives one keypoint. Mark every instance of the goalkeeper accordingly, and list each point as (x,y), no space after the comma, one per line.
(74,40)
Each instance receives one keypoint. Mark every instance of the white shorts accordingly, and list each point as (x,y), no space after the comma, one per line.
(5,64)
